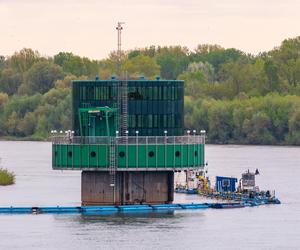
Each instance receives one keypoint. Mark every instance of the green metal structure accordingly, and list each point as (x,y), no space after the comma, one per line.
(98,121)
(153,106)
(155,110)
(132,132)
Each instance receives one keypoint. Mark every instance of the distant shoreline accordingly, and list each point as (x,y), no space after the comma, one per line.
(11,138)
(24,139)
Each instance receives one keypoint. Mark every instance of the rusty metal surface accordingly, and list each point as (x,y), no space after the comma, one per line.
(130,188)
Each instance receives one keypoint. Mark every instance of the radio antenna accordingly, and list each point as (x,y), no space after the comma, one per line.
(119,28)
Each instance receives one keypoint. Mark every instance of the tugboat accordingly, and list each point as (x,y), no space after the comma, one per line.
(247,182)
(250,193)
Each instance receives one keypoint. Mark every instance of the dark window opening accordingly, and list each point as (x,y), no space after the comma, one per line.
(70,154)
(151,154)
(121,154)
(135,94)
(196,153)
(93,154)
(177,153)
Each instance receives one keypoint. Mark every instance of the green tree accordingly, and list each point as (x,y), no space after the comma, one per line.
(294,128)
(10,81)
(65,83)
(55,96)
(41,77)
(76,65)
(205,49)
(42,128)
(205,67)
(220,123)
(3,100)
(27,125)
(141,65)
(239,115)
(286,58)
(21,105)
(2,62)
(12,124)
(239,76)
(112,65)
(23,60)
(216,56)
(257,129)
(172,61)
(193,83)
(272,75)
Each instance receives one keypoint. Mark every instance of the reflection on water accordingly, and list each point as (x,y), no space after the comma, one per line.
(265,227)
(128,217)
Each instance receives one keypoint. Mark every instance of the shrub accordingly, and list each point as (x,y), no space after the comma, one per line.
(6,177)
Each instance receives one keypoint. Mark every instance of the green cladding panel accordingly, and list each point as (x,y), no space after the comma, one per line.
(139,157)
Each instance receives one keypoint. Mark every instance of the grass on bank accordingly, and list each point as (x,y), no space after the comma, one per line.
(6,177)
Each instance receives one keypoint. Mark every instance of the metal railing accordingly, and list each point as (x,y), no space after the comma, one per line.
(69,139)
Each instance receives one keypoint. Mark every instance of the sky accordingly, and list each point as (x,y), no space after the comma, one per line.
(87,27)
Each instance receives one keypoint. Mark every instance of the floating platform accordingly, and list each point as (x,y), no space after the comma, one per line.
(101,209)
(125,208)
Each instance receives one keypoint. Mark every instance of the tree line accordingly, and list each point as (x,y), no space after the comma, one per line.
(236,97)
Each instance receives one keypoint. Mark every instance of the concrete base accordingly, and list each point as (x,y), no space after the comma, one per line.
(130,188)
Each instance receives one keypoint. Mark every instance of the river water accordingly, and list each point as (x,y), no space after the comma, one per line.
(264,227)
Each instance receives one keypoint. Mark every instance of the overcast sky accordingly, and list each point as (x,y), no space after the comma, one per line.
(87,27)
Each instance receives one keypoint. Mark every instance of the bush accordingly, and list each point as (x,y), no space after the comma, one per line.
(6,177)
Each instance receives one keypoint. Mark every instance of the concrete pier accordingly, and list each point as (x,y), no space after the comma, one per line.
(134,187)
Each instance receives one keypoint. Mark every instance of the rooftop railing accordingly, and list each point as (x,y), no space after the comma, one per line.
(69,139)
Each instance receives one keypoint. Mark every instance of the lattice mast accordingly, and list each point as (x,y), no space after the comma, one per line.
(119,28)
(122,89)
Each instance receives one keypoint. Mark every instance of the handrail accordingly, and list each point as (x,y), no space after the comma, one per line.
(69,139)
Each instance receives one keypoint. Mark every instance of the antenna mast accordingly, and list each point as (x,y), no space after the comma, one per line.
(119,29)
(122,90)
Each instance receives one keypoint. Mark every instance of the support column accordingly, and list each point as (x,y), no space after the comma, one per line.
(137,187)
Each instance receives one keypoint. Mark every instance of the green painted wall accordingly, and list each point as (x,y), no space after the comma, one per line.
(76,156)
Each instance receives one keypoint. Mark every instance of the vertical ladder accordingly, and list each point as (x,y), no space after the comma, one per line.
(112,161)
(118,105)
(124,108)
